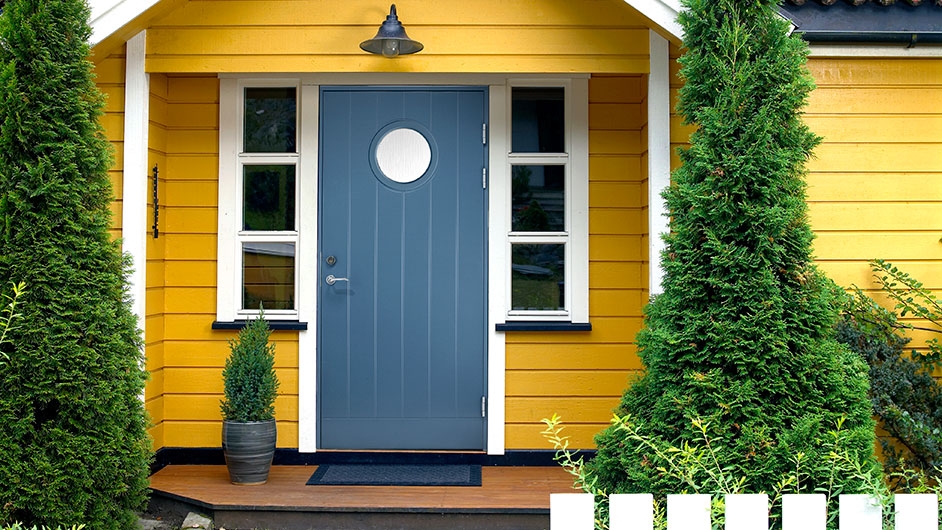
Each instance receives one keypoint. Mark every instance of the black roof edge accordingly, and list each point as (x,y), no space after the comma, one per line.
(911,39)
(868,23)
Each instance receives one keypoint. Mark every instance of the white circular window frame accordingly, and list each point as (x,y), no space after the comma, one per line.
(403,155)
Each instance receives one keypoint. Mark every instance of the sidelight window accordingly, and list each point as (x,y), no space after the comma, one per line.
(549,189)
(259,236)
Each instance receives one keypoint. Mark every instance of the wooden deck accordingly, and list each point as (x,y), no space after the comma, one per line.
(509,497)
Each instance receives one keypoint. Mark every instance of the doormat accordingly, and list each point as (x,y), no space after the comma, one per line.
(395,475)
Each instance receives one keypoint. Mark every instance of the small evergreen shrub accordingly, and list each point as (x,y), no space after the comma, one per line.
(249,379)
(74,447)
(906,398)
(740,348)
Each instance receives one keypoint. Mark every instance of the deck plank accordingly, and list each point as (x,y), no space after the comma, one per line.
(502,490)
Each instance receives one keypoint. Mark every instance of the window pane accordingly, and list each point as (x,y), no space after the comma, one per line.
(538,273)
(270,120)
(268,275)
(539,123)
(268,197)
(539,199)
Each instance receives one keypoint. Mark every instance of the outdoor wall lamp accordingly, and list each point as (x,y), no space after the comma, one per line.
(391,39)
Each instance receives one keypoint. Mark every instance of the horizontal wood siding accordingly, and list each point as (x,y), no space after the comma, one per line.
(184,139)
(459,36)
(580,376)
(156,296)
(110,80)
(875,184)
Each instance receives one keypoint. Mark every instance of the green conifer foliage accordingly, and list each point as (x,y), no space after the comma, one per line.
(250,384)
(742,336)
(73,442)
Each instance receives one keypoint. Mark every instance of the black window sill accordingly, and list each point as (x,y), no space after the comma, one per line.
(544,326)
(274,325)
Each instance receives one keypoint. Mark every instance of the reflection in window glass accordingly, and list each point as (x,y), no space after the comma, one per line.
(268,197)
(539,123)
(268,275)
(270,120)
(539,199)
(537,277)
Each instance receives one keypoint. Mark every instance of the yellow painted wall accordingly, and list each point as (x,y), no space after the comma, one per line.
(875,187)
(459,36)
(154,310)
(154,307)
(193,353)
(581,376)
(110,72)
(875,182)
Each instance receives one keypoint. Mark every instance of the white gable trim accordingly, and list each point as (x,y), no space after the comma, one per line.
(108,16)
(661,12)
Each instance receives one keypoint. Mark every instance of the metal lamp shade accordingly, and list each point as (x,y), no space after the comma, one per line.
(391,39)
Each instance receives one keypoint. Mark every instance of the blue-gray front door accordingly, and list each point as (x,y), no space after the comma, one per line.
(402,269)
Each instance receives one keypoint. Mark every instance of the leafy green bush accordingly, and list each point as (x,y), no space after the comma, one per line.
(697,467)
(906,398)
(742,338)
(250,382)
(74,447)
(8,315)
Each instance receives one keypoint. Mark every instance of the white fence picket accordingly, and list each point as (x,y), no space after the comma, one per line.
(576,511)
(688,512)
(633,511)
(747,512)
(572,511)
(859,512)
(917,512)
(804,512)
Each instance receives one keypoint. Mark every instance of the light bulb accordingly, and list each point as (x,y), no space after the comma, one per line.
(390,48)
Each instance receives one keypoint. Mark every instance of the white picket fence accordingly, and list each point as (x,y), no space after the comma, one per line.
(575,511)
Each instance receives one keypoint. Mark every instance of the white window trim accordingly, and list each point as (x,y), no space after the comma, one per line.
(231,161)
(576,235)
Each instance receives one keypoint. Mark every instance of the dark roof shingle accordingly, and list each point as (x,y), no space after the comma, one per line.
(903,21)
(860,2)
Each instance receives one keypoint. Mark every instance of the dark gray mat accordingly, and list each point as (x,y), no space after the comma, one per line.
(395,475)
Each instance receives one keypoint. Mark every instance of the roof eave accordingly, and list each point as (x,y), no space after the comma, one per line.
(911,39)
(110,16)
(663,14)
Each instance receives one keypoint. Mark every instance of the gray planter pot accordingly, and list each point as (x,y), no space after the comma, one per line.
(249,449)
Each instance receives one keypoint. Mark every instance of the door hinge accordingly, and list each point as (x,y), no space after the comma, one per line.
(483,406)
(484,177)
(484,133)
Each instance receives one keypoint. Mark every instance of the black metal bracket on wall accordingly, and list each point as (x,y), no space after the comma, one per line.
(156,211)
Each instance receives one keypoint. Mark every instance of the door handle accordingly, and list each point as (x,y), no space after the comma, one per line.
(331,279)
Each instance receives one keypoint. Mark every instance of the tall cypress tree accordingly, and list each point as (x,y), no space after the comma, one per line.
(73,441)
(742,336)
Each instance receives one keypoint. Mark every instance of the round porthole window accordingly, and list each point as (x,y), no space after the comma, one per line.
(403,155)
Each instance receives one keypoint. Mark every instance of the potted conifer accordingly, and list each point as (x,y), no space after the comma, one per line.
(248,408)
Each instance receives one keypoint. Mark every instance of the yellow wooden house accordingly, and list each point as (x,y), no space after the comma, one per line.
(455,243)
